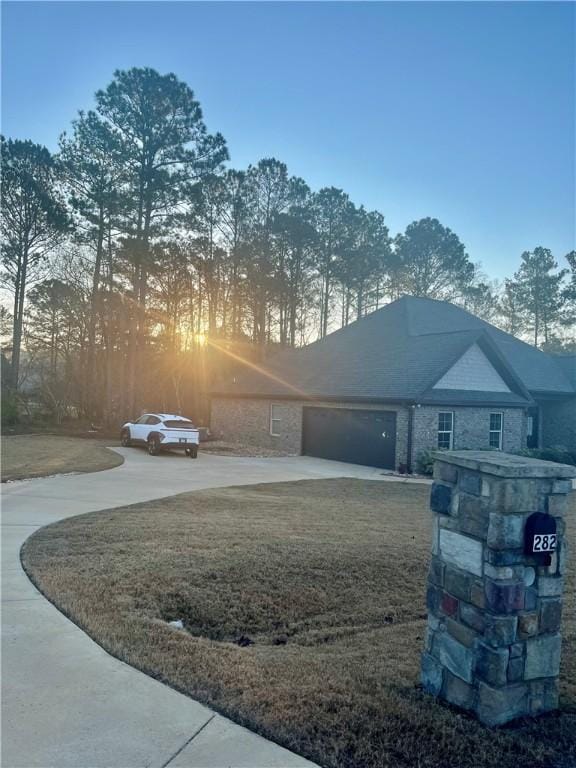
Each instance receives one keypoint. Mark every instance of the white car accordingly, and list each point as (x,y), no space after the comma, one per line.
(161,430)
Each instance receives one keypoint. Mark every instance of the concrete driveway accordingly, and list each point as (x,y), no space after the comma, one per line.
(65,701)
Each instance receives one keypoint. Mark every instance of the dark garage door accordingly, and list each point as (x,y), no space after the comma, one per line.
(356,436)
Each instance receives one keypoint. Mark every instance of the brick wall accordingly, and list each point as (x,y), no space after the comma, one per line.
(471,428)
(248,421)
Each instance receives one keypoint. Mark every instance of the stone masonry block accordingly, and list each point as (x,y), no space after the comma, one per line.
(500,705)
(433,598)
(477,596)
(561,486)
(499,573)
(515,670)
(505,531)
(448,522)
(435,531)
(448,604)
(530,599)
(436,572)
(431,674)
(472,617)
(550,614)
(458,692)
(520,495)
(440,498)
(528,624)
(461,632)
(472,515)
(492,664)
(455,505)
(516,650)
(457,583)
(461,551)
(446,472)
(542,657)
(456,657)
(557,506)
(504,597)
(500,630)
(470,482)
(503,557)
(550,586)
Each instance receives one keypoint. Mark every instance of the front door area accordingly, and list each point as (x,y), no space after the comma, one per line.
(352,435)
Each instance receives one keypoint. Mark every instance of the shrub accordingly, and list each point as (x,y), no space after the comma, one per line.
(558,453)
(425,461)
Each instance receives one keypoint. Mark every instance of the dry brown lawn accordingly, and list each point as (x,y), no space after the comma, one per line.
(26,456)
(304,609)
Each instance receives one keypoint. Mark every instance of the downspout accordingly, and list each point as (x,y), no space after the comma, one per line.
(410,439)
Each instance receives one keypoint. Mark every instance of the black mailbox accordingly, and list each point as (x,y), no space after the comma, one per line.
(540,537)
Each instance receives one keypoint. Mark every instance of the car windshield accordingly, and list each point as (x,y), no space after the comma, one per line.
(177,424)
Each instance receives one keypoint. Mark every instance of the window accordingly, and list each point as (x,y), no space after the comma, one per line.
(275,420)
(446,430)
(142,419)
(152,420)
(495,438)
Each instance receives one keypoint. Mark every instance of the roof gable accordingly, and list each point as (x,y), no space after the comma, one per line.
(538,371)
(473,371)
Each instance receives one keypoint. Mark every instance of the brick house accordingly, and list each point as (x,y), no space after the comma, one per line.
(416,374)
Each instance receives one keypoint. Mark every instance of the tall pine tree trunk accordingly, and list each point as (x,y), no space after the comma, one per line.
(18,317)
(89,385)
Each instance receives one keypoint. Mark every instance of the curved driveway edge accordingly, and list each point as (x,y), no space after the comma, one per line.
(66,703)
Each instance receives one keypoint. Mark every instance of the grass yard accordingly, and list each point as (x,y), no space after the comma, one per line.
(304,609)
(26,456)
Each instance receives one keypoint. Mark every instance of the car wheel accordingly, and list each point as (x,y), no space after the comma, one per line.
(153,446)
(192,452)
(125,438)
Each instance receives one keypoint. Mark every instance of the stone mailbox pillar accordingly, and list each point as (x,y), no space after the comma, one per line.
(494,609)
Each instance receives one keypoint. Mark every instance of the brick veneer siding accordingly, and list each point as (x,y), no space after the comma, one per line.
(558,423)
(248,421)
(471,428)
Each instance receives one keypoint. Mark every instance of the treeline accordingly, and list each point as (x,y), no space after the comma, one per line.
(134,244)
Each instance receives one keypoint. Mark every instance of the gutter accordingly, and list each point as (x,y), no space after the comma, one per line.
(315,398)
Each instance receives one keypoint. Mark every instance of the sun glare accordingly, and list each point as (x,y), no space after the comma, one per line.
(201,339)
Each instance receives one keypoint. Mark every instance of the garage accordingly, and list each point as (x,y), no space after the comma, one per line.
(352,435)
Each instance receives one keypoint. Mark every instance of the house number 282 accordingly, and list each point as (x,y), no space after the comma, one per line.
(545,542)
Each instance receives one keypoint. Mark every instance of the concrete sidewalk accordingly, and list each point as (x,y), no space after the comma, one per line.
(65,701)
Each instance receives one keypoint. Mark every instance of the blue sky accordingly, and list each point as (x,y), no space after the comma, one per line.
(463,111)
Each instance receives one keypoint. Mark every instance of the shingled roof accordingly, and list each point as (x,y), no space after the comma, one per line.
(398,353)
